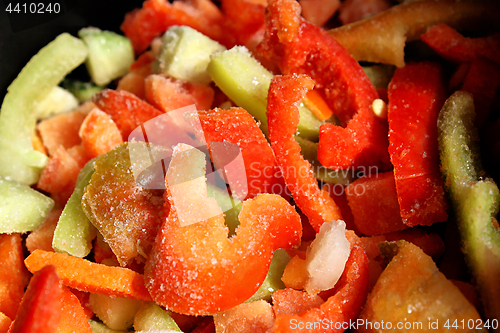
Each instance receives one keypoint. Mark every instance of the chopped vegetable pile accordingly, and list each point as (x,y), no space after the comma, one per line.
(257,166)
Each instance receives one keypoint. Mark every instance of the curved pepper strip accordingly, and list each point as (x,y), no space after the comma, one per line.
(342,307)
(285,93)
(300,47)
(416,94)
(195,269)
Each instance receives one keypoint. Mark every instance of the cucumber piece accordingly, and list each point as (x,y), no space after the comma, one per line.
(22,209)
(229,205)
(110,54)
(185,54)
(272,281)
(18,112)
(309,151)
(152,317)
(98,327)
(83,91)
(116,313)
(74,232)
(246,82)
(58,101)
(475,200)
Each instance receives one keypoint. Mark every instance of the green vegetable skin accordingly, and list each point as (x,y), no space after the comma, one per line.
(18,117)
(246,82)
(475,201)
(110,54)
(22,209)
(74,232)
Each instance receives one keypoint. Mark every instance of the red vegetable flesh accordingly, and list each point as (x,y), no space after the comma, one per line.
(416,95)
(239,127)
(195,269)
(283,117)
(302,48)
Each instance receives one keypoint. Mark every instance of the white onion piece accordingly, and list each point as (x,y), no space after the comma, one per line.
(327,256)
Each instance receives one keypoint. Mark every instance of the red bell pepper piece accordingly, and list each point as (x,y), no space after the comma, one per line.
(416,95)
(283,117)
(41,307)
(244,18)
(129,112)
(239,127)
(483,81)
(344,305)
(300,47)
(374,204)
(450,44)
(156,16)
(195,269)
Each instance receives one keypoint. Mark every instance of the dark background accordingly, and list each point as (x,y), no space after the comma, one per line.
(22,35)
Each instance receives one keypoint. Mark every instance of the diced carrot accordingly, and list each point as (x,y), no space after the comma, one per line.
(294,302)
(61,130)
(59,175)
(318,12)
(250,317)
(133,81)
(87,276)
(168,94)
(156,16)
(73,318)
(36,141)
(453,46)
(41,238)
(483,81)
(41,306)
(127,110)
(374,204)
(295,274)
(317,104)
(431,244)
(79,154)
(356,10)
(4,323)
(243,18)
(99,133)
(13,275)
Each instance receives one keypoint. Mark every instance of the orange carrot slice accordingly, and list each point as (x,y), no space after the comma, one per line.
(41,238)
(317,104)
(13,274)
(87,276)
(99,133)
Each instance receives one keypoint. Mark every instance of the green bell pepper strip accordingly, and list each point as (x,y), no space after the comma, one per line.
(475,199)
(18,117)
